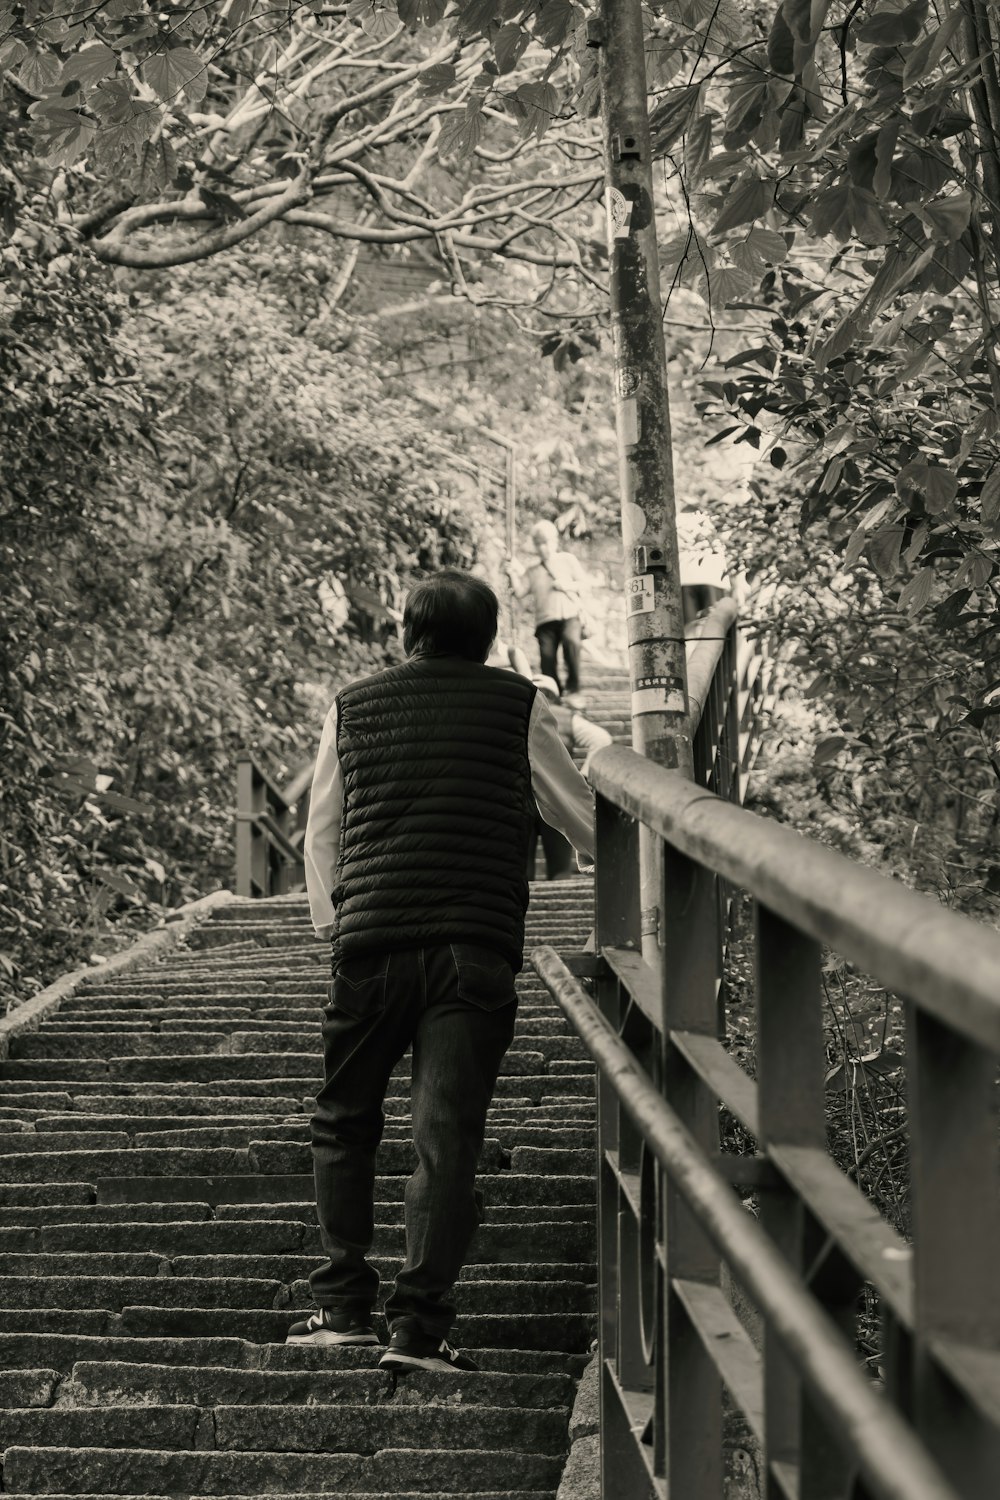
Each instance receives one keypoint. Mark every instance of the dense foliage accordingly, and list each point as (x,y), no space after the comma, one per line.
(217,478)
(207,518)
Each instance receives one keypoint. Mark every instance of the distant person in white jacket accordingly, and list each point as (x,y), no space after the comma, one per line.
(558,585)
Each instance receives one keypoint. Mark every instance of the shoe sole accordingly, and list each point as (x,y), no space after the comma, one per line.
(325,1336)
(415,1362)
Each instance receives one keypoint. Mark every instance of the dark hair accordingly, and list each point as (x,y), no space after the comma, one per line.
(451,614)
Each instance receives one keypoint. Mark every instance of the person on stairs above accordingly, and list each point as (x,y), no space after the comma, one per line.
(428,781)
(557,584)
(577,733)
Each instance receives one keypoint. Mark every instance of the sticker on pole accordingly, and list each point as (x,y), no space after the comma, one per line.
(619,214)
(641,594)
(658,699)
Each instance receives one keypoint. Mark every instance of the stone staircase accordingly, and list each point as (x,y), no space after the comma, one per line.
(157,1227)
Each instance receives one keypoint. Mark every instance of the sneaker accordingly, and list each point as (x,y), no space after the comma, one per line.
(574,700)
(412,1349)
(328,1327)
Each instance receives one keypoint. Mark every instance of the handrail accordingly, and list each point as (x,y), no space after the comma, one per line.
(269,832)
(892,1460)
(678,1254)
(906,941)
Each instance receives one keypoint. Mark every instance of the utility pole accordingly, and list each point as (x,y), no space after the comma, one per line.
(656,646)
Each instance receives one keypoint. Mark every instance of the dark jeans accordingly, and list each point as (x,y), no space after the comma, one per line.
(456,1005)
(558,851)
(552,635)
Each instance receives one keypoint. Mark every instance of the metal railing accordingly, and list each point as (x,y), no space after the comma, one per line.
(674,1237)
(270,827)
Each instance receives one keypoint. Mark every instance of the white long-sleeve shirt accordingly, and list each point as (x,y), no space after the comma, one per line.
(561,794)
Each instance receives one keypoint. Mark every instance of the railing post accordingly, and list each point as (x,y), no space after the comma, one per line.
(617,898)
(790,1092)
(952,1106)
(694,1449)
(245,832)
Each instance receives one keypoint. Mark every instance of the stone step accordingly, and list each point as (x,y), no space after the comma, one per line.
(531,1022)
(196,1045)
(261,1157)
(43,1229)
(539,1088)
(62,1351)
(87,1471)
(356,1495)
(255,1188)
(141,1132)
(52,1107)
(569,1331)
(156,1058)
(312,1428)
(552,1239)
(114,1281)
(101,1383)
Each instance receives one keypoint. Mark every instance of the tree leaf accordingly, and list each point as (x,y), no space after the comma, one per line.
(439,79)
(891,28)
(61,136)
(748,201)
(828,749)
(883,550)
(39,72)
(781,45)
(414,13)
(925,57)
(915,595)
(885,150)
(830,212)
(855,546)
(672,115)
(555,20)
(178,70)
(157,166)
(461,134)
(509,44)
(769,245)
(948,217)
(940,487)
(118,882)
(537,106)
(698,148)
(805,18)
(989,497)
(378,21)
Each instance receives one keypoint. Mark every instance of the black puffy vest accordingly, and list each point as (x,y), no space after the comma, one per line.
(438,808)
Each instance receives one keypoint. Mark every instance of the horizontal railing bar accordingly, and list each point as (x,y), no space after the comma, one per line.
(786,1475)
(945,962)
(273,833)
(637,1408)
(746,1171)
(873,1246)
(872,1431)
(628,1181)
(706,641)
(728,1346)
(975,1371)
(727,1080)
(246,758)
(639,980)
